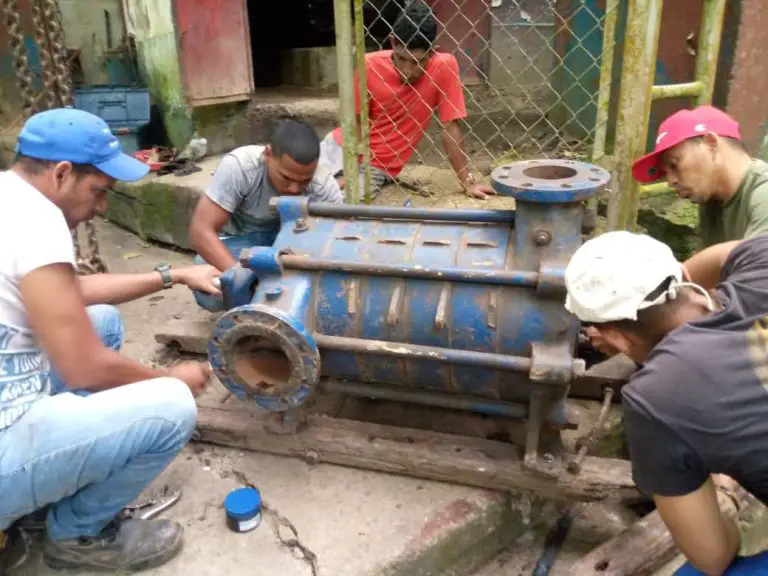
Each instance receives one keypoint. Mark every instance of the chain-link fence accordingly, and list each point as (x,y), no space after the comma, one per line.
(537,76)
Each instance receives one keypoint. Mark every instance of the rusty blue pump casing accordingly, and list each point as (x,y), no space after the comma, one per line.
(454,308)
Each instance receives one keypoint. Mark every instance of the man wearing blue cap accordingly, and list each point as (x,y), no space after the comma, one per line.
(83,429)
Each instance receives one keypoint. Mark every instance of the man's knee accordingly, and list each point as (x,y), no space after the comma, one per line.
(173,400)
(108,324)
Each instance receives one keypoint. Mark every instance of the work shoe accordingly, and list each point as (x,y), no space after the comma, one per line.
(9,550)
(128,545)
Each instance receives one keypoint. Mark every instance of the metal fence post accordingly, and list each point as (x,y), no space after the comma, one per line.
(606,80)
(703,85)
(364,141)
(634,107)
(342,12)
(708,48)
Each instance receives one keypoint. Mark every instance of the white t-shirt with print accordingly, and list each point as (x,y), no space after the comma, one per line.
(33,234)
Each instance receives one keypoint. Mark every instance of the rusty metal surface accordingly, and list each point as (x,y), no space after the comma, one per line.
(465,33)
(56,89)
(214,50)
(584,444)
(441,311)
(747,102)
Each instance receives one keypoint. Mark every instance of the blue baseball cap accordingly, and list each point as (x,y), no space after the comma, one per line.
(77,136)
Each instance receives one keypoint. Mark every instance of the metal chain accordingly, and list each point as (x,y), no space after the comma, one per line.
(53,55)
(94,263)
(55,33)
(20,61)
(49,80)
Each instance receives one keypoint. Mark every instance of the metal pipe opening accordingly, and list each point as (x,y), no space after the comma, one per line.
(550,172)
(261,365)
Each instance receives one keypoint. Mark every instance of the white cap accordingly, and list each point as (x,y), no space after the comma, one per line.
(610,276)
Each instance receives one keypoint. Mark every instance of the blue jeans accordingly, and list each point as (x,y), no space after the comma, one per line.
(742,566)
(235,245)
(90,455)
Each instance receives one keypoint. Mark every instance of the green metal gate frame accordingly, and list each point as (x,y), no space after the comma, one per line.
(637,92)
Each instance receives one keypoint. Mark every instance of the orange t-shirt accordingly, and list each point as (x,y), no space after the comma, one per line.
(400,113)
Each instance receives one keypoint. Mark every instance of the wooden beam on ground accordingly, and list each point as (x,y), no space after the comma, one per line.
(644,547)
(422,454)
(190,336)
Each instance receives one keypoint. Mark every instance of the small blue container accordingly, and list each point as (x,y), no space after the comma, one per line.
(243,509)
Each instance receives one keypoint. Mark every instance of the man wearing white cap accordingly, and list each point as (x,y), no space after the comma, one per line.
(696,412)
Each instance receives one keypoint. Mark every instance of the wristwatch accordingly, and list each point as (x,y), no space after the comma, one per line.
(165,274)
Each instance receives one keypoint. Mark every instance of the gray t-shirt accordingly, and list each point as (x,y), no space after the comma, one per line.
(699,404)
(240,186)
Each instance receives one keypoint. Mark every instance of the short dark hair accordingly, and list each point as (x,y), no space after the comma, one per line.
(733,142)
(36,166)
(416,28)
(296,138)
(652,322)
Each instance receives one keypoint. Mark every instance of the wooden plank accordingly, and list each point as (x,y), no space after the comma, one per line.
(189,335)
(644,547)
(418,453)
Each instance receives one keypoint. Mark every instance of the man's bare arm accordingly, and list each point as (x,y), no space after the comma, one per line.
(453,143)
(119,288)
(703,533)
(704,267)
(208,220)
(56,311)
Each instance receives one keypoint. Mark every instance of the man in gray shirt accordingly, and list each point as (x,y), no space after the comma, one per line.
(234,212)
(696,412)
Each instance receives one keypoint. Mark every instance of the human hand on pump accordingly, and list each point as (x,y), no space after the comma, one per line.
(202,277)
(193,374)
(598,341)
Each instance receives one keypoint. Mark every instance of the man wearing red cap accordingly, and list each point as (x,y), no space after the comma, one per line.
(700,154)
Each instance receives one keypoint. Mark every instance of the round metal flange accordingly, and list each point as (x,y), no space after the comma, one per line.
(549,181)
(262,355)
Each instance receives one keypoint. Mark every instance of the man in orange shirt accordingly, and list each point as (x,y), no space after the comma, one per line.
(406,85)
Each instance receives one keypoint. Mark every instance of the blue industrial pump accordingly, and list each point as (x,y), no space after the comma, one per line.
(459,309)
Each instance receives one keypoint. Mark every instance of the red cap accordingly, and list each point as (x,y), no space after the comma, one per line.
(679,127)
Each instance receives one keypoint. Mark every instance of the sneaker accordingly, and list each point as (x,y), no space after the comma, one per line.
(128,545)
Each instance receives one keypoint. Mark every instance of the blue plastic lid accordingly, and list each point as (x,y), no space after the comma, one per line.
(243,503)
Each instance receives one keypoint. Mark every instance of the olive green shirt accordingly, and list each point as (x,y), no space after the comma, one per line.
(745,215)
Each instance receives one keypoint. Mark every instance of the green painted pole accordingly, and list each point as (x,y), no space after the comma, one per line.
(342,12)
(687,90)
(708,50)
(606,79)
(634,108)
(364,141)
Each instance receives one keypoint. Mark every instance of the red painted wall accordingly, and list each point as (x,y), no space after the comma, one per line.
(747,99)
(464,31)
